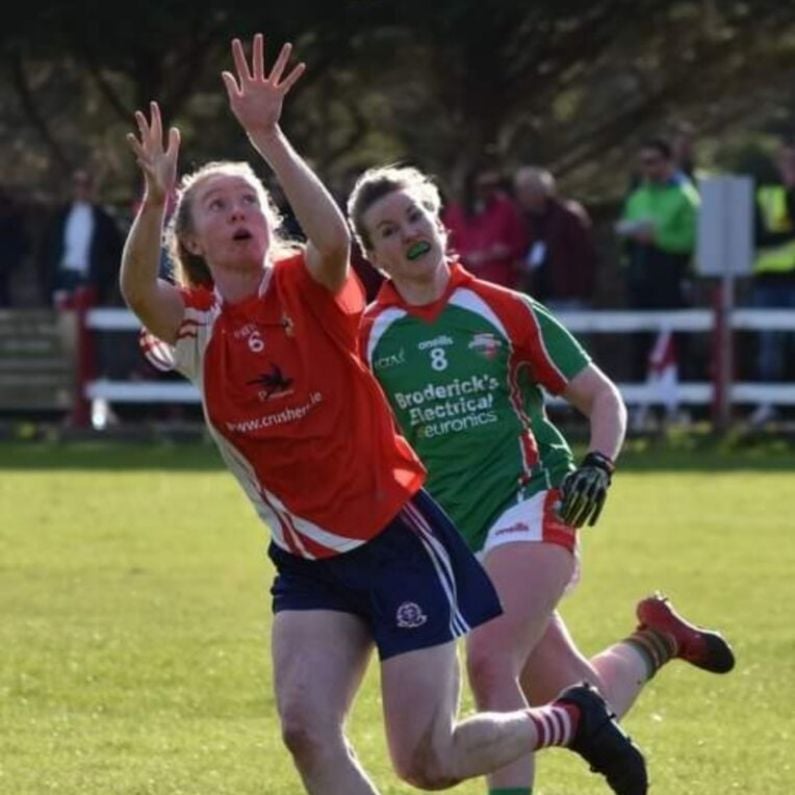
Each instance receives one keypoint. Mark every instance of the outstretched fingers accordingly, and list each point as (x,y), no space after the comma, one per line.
(140,144)
(156,157)
(173,142)
(280,64)
(150,130)
(291,79)
(135,146)
(256,71)
(258,57)
(241,64)
(283,59)
(156,128)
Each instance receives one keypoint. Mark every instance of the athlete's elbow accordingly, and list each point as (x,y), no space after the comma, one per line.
(330,265)
(137,297)
(608,402)
(130,292)
(336,247)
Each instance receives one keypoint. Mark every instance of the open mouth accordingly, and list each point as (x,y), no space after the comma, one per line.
(242,234)
(416,250)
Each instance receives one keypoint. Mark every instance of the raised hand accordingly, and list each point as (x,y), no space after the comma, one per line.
(256,98)
(159,164)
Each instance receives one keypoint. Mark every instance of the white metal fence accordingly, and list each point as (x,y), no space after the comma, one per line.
(581,322)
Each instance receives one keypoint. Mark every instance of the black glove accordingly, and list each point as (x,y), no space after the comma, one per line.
(584,490)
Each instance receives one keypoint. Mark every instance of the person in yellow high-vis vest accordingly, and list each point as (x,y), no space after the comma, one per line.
(774,268)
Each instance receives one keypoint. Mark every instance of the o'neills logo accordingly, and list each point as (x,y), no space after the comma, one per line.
(436,342)
(519,527)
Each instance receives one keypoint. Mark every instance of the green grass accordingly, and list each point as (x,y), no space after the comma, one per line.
(134,617)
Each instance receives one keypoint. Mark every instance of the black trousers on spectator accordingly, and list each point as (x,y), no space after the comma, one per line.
(655,280)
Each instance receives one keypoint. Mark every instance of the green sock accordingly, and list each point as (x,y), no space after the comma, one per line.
(512,791)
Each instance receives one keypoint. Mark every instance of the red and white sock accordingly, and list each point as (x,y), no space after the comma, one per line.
(555,724)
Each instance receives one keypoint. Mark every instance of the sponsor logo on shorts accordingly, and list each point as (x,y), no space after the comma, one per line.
(519,527)
(410,616)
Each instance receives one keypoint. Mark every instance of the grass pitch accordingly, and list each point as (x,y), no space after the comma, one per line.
(134,618)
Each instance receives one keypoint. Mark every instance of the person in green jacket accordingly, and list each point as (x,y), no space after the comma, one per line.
(658,227)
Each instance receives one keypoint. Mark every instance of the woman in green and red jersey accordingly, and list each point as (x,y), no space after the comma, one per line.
(463,363)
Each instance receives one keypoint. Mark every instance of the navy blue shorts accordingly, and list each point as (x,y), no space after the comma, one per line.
(415,585)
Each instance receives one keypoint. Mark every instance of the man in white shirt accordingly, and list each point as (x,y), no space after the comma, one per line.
(82,249)
(80,261)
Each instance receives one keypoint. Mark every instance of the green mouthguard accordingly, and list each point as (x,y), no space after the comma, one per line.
(417,250)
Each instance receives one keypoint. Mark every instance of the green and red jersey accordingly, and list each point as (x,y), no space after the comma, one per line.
(464,376)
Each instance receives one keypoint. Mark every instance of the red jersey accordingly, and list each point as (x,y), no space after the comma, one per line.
(299,420)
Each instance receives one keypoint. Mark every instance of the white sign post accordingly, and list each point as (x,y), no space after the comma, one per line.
(725,247)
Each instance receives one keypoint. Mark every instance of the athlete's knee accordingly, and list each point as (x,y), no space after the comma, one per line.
(490,673)
(425,767)
(311,741)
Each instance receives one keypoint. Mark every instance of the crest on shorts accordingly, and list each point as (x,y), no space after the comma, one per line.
(410,616)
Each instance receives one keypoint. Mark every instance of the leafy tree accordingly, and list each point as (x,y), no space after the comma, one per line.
(574,86)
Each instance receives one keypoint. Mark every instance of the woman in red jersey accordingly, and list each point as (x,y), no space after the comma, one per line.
(364,557)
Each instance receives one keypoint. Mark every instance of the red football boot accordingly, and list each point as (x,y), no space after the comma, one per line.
(701,647)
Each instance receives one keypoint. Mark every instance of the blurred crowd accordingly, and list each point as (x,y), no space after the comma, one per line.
(513,228)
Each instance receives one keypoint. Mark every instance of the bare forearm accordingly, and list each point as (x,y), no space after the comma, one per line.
(608,421)
(598,398)
(141,255)
(157,303)
(316,211)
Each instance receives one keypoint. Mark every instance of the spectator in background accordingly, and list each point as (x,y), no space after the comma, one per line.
(486,228)
(658,226)
(81,252)
(774,268)
(14,244)
(560,263)
(80,261)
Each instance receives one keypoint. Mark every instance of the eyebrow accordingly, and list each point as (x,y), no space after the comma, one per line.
(243,188)
(210,193)
(412,205)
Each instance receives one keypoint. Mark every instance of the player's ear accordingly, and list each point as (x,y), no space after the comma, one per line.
(192,244)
